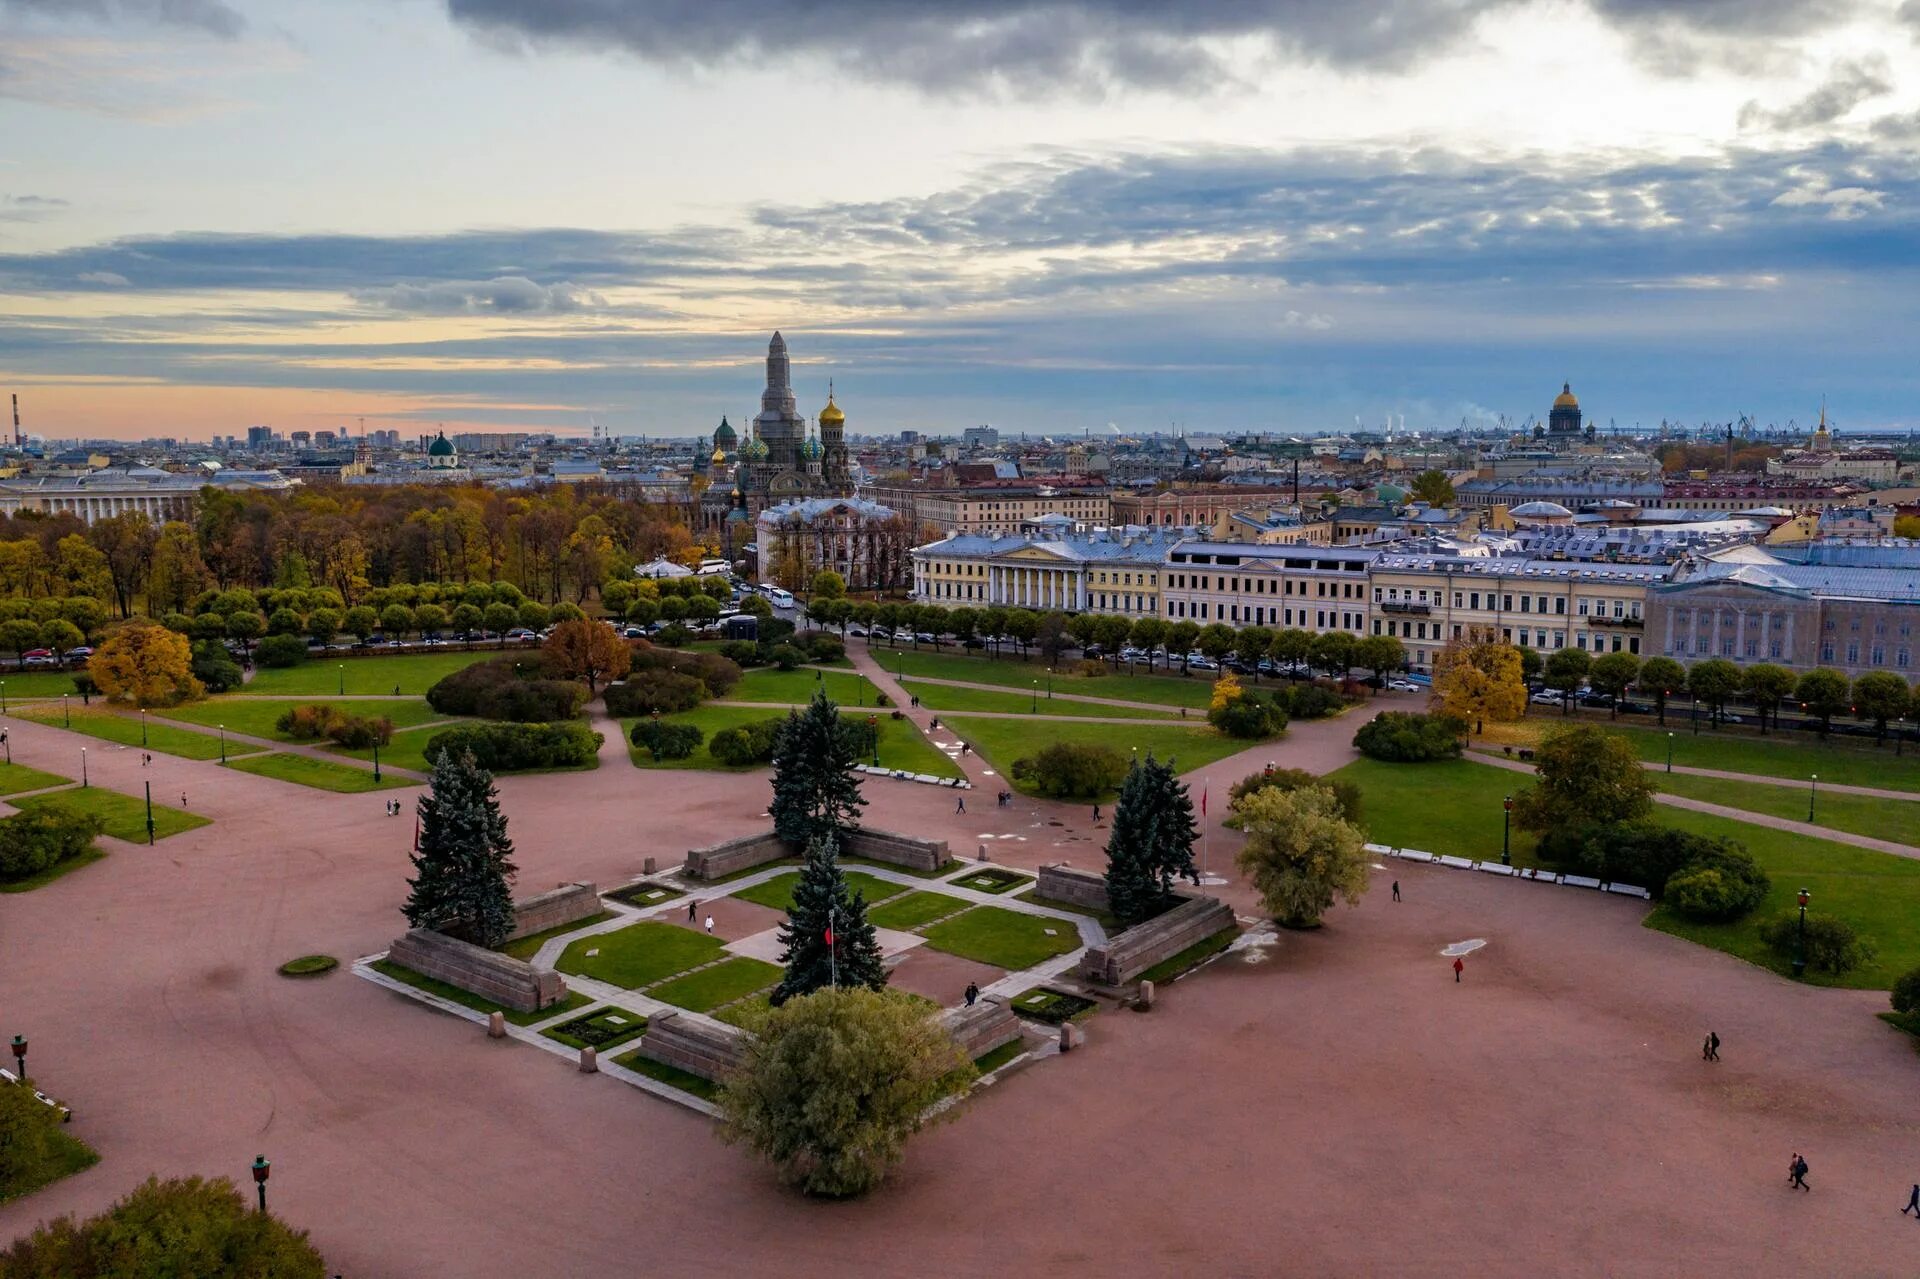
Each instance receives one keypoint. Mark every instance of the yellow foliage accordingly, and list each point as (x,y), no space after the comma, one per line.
(143,663)
(1226,691)
(1477,678)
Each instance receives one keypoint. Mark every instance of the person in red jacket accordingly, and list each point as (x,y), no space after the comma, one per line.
(1459,966)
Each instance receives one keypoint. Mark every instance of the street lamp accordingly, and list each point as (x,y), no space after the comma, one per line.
(873,722)
(3,697)
(1506,831)
(20,1057)
(261,1167)
(223,743)
(143,728)
(6,740)
(1800,941)
(1813,787)
(1036,697)
(376,760)
(83,768)
(1669,752)
(149,814)
(343,677)
(66,713)
(1049,683)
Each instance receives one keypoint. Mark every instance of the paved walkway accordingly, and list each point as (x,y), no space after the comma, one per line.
(1172,712)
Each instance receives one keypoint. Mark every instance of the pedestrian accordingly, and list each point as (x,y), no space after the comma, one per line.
(690,906)
(1706,1049)
(1459,966)
(1396,890)
(1797,1171)
(960,804)
(973,993)
(1096,814)
(1713,1046)
(709,925)
(1913,1204)
(183,799)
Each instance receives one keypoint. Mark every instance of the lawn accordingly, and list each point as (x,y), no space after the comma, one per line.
(795,687)
(1108,920)
(1849,760)
(406,750)
(256,716)
(41,878)
(125,729)
(901,745)
(639,954)
(721,984)
(1004,740)
(946,697)
(777,892)
(991,879)
(1003,938)
(404,675)
(1053,1007)
(1164,690)
(1201,951)
(914,910)
(672,1076)
(303,770)
(600,1029)
(17,685)
(528,946)
(1452,807)
(64,1156)
(1890,819)
(18,778)
(123,816)
(466,999)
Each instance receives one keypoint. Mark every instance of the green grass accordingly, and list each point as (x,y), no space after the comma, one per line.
(795,688)
(913,910)
(672,1076)
(743,1013)
(125,729)
(991,879)
(304,770)
(1448,807)
(1004,740)
(406,750)
(938,872)
(1107,919)
(122,816)
(1889,819)
(467,999)
(644,893)
(999,1057)
(778,891)
(41,878)
(1201,951)
(1741,749)
(605,1027)
(901,745)
(1003,938)
(309,966)
(1006,672)
(721,984)
(18,778)
(639,954)
(529,946)
(945,697)
(1051,1006)
(411,674)
(257,716)
(24,684)
(64,1156)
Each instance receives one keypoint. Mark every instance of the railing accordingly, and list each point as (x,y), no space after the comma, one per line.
(1406,606)
(1628,623)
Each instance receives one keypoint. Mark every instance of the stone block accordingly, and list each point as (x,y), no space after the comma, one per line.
(496,1025)
(564,905)
(719,860)
(709,1049)
(1147,994)
(589,1061)
(509,982)
(1062,883)
(1071,1036)
(898,850)
(1126,955)
(982,1028)
(649,866)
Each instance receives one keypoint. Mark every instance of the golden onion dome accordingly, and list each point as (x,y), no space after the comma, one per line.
(719,457)
(1565,400)
(831,415)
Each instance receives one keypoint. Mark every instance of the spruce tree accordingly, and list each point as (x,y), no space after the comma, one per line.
(1151,841)
(824,905)
(464,860)
(815,792)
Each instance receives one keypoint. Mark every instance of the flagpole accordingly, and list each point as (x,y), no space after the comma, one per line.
(833,951)
(1206,836)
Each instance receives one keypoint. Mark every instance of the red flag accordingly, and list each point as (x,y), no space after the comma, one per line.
(829,936)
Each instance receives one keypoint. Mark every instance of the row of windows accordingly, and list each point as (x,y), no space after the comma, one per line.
(1267,586)
(1583,607)
(1266,615)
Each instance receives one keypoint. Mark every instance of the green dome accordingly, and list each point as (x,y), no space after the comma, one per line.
(755,449)
(812,450)
(724,437)
(441,446)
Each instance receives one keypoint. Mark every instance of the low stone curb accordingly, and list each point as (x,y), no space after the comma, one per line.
(901,774)
(1512,872)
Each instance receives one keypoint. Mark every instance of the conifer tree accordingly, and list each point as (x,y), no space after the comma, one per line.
(815,793)
(464,859)
(825,907)
(1151,841)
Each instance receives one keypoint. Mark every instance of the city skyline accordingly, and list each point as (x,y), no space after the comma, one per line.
(1045,216)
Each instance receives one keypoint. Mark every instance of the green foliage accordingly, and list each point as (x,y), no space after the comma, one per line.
(1825,693)
(824,905)
(1905,995)
(279,651)
(833,1085)
(1717,886)
(507,688)
(1347,794)
(1404,738)
(213,666)
(663,692)
(816,794)
(33,1149)
(822,647)
(1150,842)
(1714,682)
(38,839)
(1767,683)
(181,1227)
(1881,696)
(1640,852)
(464,862)
(1251,715)
(747,744)
(506,748)
(713,670)
(785,656)
(1585,775)
(665,739)
(355,732)
(1831,944)
(1301,853)
(1071,770)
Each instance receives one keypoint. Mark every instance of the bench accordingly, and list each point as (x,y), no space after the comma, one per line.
(709,1049)
(1495,868)
(1579,881)
(1459,863)
(1630,890)
(1128,954)
(1413,855)
(509,982)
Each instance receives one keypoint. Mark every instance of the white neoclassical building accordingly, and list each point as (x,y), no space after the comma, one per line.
(159,495)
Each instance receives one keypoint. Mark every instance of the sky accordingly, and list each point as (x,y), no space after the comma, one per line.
(1054,216)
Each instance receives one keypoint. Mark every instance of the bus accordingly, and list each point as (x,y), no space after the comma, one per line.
(780,598)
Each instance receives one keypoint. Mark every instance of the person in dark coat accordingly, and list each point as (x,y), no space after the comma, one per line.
(1913,1204)
(1797,1172)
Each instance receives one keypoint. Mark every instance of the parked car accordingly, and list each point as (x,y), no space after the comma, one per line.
(1403,686)
(522,634)
(1548,697)
(80,654)
(1201,662)
(39,657)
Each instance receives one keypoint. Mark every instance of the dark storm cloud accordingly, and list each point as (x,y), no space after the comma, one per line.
(210,16)
(507,295)
(1849,83)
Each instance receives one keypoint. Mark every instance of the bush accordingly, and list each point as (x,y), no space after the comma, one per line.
(506,748)
(1402,738)
(822,647)
(717,672)
(1309,701)
(785,656)
(317,720)
(744,652)
(281,650)
(1346,794)
(862,738)
(664,739)
(212,666)
(1089,666)
(646,692)
(38,840)
(747,744)
(33,1150)
(305,723)
(1069,770)
(1717,886)
(507,688)
(1905,994)
(1250,715)
(1648,855)
(1832,945)
(673,633)
(182,1227)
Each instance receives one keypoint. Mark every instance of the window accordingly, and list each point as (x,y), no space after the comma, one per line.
(1525,601)
(1581,609)
(1560,605)
(1826,651)
(1507,602)
(1853,654)
(1879,655)
(1900,658)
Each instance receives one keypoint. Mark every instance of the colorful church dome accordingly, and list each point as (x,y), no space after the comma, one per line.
(724,437)
(812,449)
(831,415)
(754,450)
(441,446)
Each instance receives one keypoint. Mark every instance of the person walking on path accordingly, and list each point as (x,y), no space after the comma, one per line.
(973,993)
(1913,1204)
(690,905)
(960,804)
(1706,1049)
(1459,966)
(1797,1172)
(709,925)
(1713,1046)
(1396,890)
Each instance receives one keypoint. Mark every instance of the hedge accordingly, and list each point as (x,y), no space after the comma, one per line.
(1071,770)
(280,650)
(508,688)
(1831,944)
(664,739)
(317,720)
(718,673)
(36,840)
(1402,738)
(747,744)
(655,692)
(506,748)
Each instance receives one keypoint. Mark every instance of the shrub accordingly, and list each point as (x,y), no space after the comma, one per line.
(1717,886)
(646,692)
(212,666)
(1403,738)
(1346,794)
(1648,855)
(664,739)
(747,744)
(181,1227)
(1069,770)
(1089,666)
(785,656)
(1310,701)
(744,652)
(673,633)
(38,840)
(31,1145)
(1250,715)
(305,723)
(822,647)
(1905,994)
(862,738)
(360,732)
(281,650)
(534,701)
(506,748)
(1832,945)
(717,672)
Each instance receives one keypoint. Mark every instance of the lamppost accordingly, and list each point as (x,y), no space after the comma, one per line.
(1036,697)
(873,722)
(1669,752)
(1813,787)
(83,768)
(343,677)
(1049,683)
(1506,831)
(1899,736)
(20,1057)
(6,740)
(143,728)
(66,713)
(261,1167)
(1800,940)
(149,814)
(3,697)
(223,742)
(376,760)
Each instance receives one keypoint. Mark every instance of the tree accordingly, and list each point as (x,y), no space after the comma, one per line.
(1180,639)
(1825,694)
(1151,841)
(1148,634)
(1659,678)
(1291,648)
(1071,770)
(1477,678)
(1587,776)
(1251,646)
(1332,652)
(816,795)
(1714,682)
(827,940)
(1566,670)
(1766,684)
(1613,674)
(184,1226)
(1433,488)
(1380,654)
(464,862)
(587,650)
(828,585)
(1301,853)
(1409,739)
(832,1085)
(142,663)
(1881,696)
(246,626)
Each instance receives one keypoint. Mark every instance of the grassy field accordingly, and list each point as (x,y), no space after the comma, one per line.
(672,1076)
(1424,806)
(303,770)
(15,778)
(1849,760)
(721,984)
(256,716)
(403,675)
(125,730)
(945,697)
(64,1155)
(1890,819)
(777,893)
(901,745)
(795,688)
(18,685)
(41,878)
(123,816)
(915,910)
(600,1029)
(1004,740)
(406,750)
(639,954)
(529,946)
(419,981)
(1165,690)
(1004,938)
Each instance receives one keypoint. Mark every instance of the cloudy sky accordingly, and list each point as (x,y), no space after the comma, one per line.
(1050,215)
